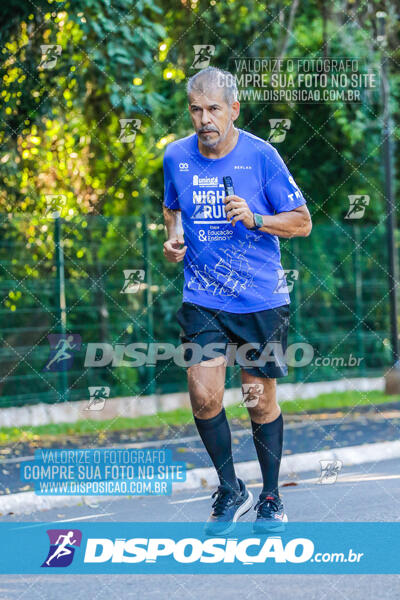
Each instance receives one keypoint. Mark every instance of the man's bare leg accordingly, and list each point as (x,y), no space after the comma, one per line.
(206,382)
(206,388)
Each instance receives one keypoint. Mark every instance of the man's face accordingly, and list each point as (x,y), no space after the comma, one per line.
(212,116)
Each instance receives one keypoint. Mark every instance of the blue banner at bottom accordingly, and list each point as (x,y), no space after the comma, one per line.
(146,548)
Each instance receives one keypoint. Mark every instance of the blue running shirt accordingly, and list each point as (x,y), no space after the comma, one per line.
(228,267)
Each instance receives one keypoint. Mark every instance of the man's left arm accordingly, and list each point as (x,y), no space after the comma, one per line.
(293,223)
(291,218)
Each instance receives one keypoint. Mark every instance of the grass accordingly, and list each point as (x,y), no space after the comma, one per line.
(183,416)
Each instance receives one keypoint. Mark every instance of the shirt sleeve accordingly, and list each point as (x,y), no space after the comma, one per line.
(280,188)
(170,195)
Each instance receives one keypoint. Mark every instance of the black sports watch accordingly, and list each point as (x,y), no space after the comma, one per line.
(258,221)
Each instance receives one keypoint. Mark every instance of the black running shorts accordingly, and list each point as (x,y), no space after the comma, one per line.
(257,341)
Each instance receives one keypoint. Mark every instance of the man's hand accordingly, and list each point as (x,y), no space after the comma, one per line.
(173,251)
(237,210)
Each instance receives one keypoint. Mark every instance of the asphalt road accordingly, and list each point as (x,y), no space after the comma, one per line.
(318,432)
(369,492)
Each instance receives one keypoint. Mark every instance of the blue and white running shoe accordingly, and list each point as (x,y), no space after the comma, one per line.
(228,506)
(271,516)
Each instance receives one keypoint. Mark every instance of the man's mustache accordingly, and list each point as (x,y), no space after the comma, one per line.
(207,129)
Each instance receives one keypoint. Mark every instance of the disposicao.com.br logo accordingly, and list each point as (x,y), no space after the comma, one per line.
(212,550)
(184,548)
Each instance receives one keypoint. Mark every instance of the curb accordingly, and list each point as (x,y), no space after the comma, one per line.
(27,502)
(135,406)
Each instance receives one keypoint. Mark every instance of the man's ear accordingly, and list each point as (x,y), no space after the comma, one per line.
(235,110)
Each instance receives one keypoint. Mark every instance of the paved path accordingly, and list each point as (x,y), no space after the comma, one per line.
(302,434)
(367,492)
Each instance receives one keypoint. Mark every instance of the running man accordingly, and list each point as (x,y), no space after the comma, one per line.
(279,129)
(236,304)
(62,549)
(62,346)
(49,58)
(99,396)
(204,55)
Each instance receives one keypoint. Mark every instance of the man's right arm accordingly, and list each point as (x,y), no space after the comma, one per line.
(174,248)
(173,223)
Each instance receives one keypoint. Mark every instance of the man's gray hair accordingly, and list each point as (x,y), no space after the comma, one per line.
(213,78)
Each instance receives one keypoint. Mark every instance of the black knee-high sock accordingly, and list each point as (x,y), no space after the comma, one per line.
(216,436)
(268,440)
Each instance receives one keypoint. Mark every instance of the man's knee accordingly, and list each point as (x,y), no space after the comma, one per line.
(264,412)
(259,396)
(206,387)
(206,406)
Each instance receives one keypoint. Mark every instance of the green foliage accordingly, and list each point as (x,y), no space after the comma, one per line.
(60,134)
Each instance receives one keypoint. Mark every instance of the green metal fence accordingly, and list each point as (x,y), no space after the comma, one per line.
(68,276)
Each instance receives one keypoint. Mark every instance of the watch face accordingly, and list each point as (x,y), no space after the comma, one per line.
(258,220)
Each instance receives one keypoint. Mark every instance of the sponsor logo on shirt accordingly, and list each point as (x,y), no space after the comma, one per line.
(205,181)
(183,166)
(208,206)
(245,167)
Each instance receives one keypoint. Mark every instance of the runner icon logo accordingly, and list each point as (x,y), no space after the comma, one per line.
(251,394)
(329,471)
(98,395)
(279,128)
(62,349)
(55,203)
(133,279)
(62,547)
(202,55)
(50,54)
(286,279)
(129,129)
(357,206)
